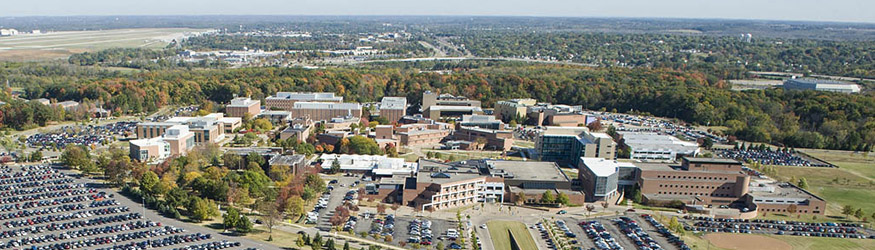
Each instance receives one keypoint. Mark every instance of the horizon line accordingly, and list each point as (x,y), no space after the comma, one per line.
(449,15)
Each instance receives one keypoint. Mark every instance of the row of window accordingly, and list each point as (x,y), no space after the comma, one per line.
(694,193)
(785,210)
(693,186)
(692,177)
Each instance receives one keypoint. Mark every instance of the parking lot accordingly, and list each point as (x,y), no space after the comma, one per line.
(780,227)
(616,233)
(47,208)
(82,135)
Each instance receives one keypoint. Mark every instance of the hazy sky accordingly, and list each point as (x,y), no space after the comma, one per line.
(814,10)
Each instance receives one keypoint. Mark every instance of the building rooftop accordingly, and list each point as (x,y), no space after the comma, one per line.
(657,166)
(393,103)
(307,96)
(783,190)
(653,142)
(378,164)
(712,160)
(455,108)
(287,160)
(326,105)
(600,166)
(564,131)
(526,170)
(242,102)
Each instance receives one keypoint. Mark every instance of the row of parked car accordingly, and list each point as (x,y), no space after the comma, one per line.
(58,209)
(420,232)
(64,217)
(68,225)
(322,203)
(33,181)
(673,239)
(635,233)
(211,246)
(383,227)
(48,210)
(111,235)
(832,230)
(164,242)
(600,235)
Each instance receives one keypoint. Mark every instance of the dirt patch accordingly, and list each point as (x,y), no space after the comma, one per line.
(746,241)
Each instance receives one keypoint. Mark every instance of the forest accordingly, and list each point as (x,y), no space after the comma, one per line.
(725,57)
(791,118)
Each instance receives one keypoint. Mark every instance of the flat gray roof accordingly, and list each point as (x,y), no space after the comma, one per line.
(529,170)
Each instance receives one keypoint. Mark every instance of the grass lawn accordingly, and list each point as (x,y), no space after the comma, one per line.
(697,242)
(570,174)
(498,230)
(280,238)
(836,185)
(821,243)
(860,163)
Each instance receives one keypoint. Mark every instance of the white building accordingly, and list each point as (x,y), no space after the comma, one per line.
(821,85)
(653,146)
(378,165)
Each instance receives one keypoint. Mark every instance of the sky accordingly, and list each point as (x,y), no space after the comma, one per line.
(800,10)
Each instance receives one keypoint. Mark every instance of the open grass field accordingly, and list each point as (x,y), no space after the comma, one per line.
(498,231)
(820,243)
(855,162)
(746,241)
(837,186)
(55,45)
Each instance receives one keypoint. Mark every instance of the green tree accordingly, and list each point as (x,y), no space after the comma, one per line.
(547,197)
(803,183)
(230,219)
(363,145)
(77,157)
(335,166)
(346,245)
(36,156)
(244,225)
(847,210)
(262,124)
(295,206)
(858,213)
(563,199)
(202,209)
(149,182)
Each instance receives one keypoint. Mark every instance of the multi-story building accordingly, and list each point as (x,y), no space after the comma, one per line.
(423,133)
(514,108)
(653,146)
(494,139)
(555,115)
(599,178)
(375,165)
(565,145)
(323,111)
(207,129)
(481,121)
(393,108)
(821,85)
(176,140)
(287,100)
(455,112)
(434,99)
(446,185)
(241,106)
(778,197)
(296,163)
(697,181)
(298,129)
